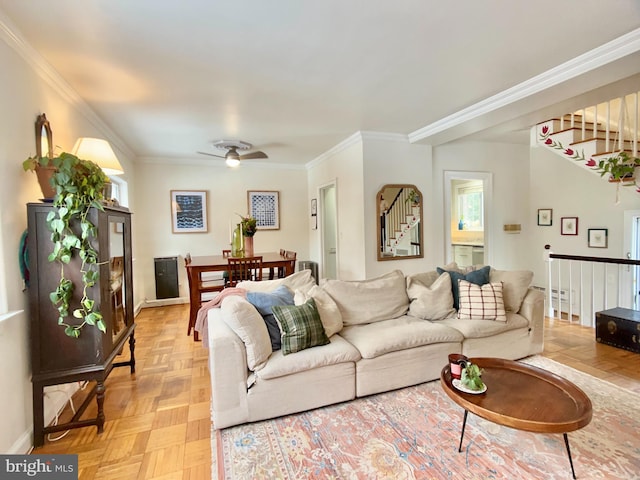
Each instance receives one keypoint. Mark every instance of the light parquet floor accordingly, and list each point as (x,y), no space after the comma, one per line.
(158,423)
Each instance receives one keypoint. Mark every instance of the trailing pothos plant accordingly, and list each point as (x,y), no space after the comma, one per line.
(79,187)
(619,167)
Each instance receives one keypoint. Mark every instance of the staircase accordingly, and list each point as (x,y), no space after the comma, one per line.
(594,133)
(401,221)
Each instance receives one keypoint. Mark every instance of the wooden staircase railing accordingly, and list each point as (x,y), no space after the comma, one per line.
(594,132)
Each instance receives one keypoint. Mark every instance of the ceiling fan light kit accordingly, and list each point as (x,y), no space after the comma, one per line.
(232,157)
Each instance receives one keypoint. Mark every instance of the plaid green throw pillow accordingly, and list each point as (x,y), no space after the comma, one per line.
(300,325)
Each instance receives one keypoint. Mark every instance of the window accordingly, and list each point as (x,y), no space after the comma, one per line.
(470,201)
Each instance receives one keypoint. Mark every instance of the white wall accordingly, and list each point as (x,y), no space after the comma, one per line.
(572,191)
(509,165)
(344,165)
(392,159)
(23,96)
(227,198)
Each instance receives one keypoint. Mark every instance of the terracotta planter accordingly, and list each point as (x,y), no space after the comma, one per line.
(44,175)
(248,246)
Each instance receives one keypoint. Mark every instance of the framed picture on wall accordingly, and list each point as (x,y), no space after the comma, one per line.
(545,217)
(189,211)
(264,206)
(569,226)
(314,213)
(597,237)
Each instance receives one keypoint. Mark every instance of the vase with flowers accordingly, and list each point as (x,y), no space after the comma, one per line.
(249,226)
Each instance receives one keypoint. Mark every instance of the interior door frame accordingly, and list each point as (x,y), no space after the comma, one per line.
(630,276)
(323,219)
(487,192)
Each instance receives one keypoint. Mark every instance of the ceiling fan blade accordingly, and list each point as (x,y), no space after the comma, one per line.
(253,155)
(210,154)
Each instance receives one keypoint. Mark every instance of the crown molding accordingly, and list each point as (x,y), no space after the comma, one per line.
(14,39)
(357,137)
(343,145)
(218,163)
(609,52)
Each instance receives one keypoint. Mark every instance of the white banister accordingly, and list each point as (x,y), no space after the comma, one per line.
(603,289)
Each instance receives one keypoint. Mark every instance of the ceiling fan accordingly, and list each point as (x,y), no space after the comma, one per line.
(232,156)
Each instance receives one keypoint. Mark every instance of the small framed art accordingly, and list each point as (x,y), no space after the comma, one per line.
(597,237)
(569,226)
(314,213)
(264,206)
(189,211)
(545,217)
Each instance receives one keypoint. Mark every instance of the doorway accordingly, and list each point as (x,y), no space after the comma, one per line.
(328,231)
(630,281)
(467,203)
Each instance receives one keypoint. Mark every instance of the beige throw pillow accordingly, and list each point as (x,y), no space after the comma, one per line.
(434,302)
(481,302)
(247,323)
(368,301)
(330,315)
(302,280)
(515,286)
(424,278)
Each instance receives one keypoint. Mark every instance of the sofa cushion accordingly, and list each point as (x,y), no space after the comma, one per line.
(337,351)
(514,288)
(330,315)
(372,300)
(247,323)
(433,302)
(479,277)
(486,328)
(264,302)
(301,326)
(481,302)
(425,278)
(302,280)
(375,339)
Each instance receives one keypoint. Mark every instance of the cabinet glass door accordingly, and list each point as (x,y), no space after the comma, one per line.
(117,286)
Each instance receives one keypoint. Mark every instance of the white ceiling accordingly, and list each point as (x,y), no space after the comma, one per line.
(295,78)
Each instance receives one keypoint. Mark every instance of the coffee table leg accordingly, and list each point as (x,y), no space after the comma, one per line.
(566,443)
(464,423)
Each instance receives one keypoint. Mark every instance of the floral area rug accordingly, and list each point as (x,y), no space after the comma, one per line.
(413,433)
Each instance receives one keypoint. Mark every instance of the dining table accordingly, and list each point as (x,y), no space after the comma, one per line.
(198,265)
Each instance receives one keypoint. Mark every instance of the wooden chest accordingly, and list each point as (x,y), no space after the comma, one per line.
(619,327)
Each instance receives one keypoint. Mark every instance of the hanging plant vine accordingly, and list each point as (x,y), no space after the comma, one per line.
(79,185)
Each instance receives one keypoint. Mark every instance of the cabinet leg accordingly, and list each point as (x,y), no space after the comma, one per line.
(100,399)
(132,348)
(38,415)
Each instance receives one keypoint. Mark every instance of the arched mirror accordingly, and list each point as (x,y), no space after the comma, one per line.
(399,222)
(44,137)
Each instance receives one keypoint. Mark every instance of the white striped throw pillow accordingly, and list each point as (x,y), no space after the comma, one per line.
(481,302)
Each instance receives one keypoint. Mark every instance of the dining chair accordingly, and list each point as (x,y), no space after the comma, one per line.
(225,274)
(244,268)
(291,256)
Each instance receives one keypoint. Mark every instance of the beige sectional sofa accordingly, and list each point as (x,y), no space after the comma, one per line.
(381,338)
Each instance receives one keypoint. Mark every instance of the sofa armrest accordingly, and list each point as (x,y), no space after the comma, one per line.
(229,373)
(532,309)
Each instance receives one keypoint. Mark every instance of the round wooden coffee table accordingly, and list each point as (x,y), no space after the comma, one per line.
(523,397)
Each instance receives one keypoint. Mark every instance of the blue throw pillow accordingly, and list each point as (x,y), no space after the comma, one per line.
(264,302)
(479,277)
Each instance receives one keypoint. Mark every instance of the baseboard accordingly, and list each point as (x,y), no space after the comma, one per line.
(56,398)
(23,445)
(164,302)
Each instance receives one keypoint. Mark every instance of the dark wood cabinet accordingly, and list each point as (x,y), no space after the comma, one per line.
(57,358)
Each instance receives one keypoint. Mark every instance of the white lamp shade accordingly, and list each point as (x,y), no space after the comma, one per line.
(98,151)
